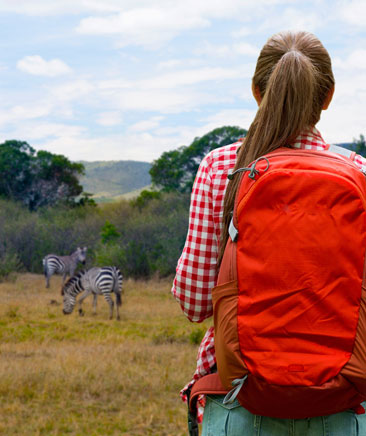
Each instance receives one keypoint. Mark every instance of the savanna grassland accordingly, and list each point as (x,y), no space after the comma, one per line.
(71,375)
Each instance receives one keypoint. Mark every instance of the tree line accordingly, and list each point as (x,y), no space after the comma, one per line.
(141,239)
(42,194)
(43,210)
(174,171)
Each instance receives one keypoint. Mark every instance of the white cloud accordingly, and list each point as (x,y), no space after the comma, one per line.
(115,84)
(167,65)
(72,90)
(207,70)
(345,119)
(212,50)
(38,66)
(215,8)
(20,113)
(244,11)
(172,64)
(355,61)
(177,78)
(60,7)
(228,117)
(353,12)
(191,77)
(245,48)
(139,146)
(144,125)
(142,26)
(163,101)
(171,92)
(41,131)
(112,118)
(153,23)
(227,50)
(242,32)
(294,19)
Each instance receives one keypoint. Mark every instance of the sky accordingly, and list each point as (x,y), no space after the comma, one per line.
(130,79)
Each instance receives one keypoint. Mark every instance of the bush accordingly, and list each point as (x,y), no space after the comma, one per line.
(109,233)
(142,241)
(196,336)
(9,263)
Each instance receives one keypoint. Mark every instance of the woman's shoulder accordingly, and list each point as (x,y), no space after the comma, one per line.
(222,157)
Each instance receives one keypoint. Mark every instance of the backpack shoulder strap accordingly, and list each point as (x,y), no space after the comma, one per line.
(342,151)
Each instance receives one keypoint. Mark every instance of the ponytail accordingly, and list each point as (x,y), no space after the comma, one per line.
(294,76)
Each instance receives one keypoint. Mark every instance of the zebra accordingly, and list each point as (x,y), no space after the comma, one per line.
(65,265)
(104,280)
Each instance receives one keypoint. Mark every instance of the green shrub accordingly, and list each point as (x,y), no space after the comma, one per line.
(145,197)
(109,233)
(110,255)
(196,336)
(9,263)
(141,241)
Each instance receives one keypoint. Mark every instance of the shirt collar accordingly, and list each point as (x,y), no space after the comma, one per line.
(309,138)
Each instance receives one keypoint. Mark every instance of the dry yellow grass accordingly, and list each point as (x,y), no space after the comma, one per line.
(71,375)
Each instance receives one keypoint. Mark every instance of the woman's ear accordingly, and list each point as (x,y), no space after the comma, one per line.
(256,93)
(328,99)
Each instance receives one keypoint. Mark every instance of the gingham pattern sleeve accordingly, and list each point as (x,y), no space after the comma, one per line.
(360,161)
(196,269)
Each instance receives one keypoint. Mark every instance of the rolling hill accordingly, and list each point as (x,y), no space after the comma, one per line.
(112,180)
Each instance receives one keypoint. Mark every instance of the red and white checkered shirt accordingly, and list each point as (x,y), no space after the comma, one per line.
(196,272)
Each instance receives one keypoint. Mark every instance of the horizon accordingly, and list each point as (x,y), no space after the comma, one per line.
(129,80)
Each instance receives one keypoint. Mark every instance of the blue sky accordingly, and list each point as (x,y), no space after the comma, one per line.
(129,79)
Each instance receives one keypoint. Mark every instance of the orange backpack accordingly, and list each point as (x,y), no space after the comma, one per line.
(290,303)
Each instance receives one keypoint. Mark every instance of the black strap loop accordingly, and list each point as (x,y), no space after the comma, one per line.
(192,418)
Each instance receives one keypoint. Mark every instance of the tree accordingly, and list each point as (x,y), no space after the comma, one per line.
(15,168)
(37,179)
(168,171)
(360,145)
(145,197)
(55,180)
(175,170)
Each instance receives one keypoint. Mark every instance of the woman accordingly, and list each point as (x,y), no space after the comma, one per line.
(292,84)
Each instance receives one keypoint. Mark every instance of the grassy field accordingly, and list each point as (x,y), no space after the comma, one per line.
(71,375)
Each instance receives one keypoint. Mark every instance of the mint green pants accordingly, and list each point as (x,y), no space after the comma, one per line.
(234,420)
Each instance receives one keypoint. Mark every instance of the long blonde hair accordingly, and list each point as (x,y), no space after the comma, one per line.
(294,77)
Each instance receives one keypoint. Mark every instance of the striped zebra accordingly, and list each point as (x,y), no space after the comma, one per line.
(65,265)
(95,281)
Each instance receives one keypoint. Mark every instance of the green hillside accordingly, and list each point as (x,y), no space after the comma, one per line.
(108,180)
